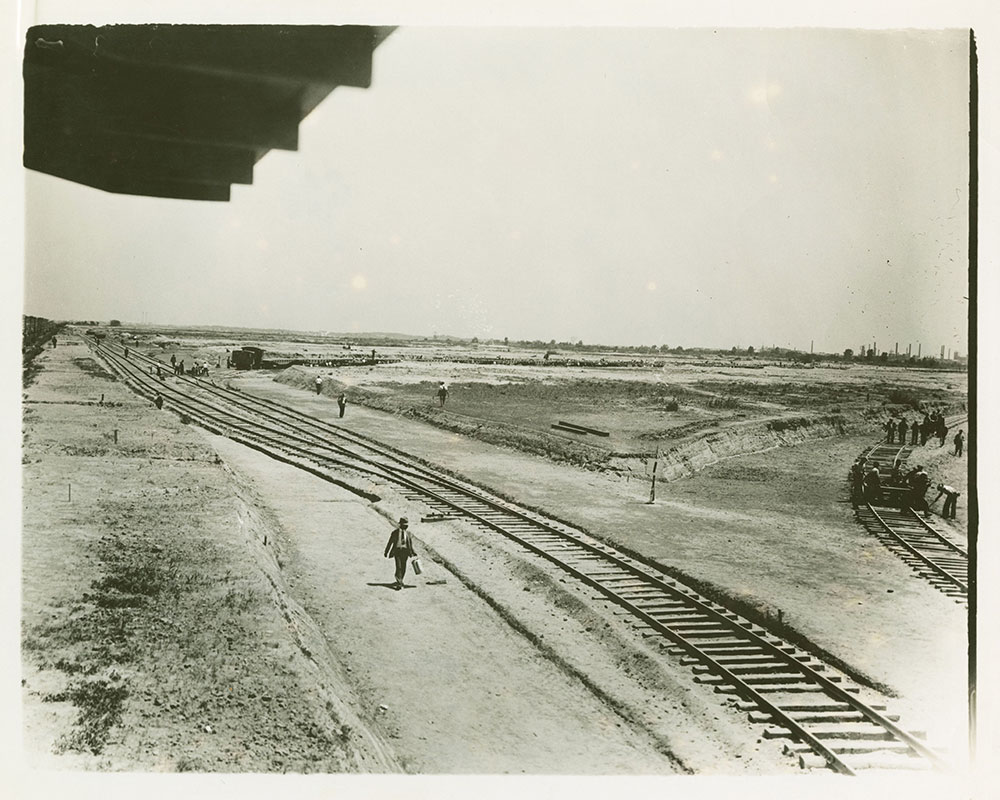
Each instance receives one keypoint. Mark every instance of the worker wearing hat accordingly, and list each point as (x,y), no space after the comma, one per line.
(400,547)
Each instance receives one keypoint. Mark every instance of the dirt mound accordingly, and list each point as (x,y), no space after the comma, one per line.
(740,439)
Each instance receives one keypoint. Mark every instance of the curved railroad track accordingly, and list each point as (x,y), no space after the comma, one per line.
(931,554)
(824,717)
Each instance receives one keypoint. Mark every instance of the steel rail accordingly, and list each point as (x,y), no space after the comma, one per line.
(916,553)
(943,539)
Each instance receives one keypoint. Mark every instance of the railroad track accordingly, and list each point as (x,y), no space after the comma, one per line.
(931,554)
(825,719)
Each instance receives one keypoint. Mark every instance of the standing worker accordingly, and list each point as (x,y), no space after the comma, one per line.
(319,384)
(158,400)
(901,428)
(890,429)
(918,489)
(857,481)
(342,402)
(400,547)
(442,393)
(914,432)
(873,486)
(959,443)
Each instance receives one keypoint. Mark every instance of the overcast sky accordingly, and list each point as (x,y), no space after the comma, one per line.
(636,186)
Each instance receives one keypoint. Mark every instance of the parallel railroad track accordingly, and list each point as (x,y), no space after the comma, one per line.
(824,717)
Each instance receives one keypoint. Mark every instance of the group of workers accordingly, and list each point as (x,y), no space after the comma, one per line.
(931,425)
(867,484)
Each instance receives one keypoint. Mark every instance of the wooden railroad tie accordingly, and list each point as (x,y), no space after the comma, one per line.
(571,427)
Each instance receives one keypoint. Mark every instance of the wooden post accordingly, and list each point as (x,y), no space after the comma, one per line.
(652,486)
(116,435)
(69,492)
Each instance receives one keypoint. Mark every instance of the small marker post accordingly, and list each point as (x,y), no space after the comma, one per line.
(116,435)
(652,486)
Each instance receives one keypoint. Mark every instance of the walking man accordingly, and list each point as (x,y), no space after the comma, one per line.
(342,402)
(400,548)
(959,443)
(442,393)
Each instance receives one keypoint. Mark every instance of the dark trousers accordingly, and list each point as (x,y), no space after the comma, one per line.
(950,501)
(400,565)
(889,439)
(958,449)
(343,408)
(913,436)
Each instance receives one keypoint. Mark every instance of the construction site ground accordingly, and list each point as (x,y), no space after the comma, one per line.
(189,605)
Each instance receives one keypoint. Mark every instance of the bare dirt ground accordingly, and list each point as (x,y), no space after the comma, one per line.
(252,629)
(153,635)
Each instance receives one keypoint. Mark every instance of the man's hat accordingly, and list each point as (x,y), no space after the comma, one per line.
(403,521)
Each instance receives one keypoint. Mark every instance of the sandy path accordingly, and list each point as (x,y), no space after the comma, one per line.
(454,687)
